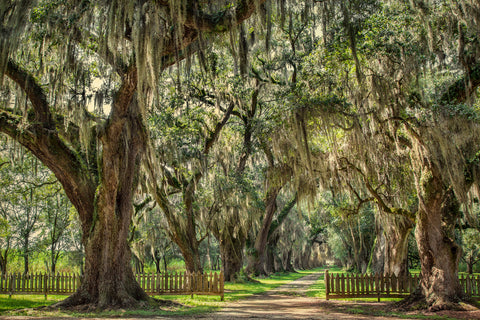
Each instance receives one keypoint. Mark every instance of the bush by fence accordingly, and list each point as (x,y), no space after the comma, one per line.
(387,286)
(153,284)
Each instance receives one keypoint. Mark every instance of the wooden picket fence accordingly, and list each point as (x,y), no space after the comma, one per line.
(387,286)
(153,284)
(182,283)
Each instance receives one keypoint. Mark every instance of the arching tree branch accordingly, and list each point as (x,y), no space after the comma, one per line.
(34,92)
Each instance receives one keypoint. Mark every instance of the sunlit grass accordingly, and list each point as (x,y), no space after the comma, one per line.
(26,301)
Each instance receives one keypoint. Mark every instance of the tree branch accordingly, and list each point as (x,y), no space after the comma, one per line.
(463,88)
(220,21)
(34,92)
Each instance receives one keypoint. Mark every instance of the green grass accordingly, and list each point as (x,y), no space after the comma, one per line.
(26,304)
(26,301)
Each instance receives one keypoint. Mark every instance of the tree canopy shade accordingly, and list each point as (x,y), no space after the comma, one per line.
(52,52)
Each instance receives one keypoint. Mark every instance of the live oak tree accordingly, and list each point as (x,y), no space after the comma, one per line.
(375,73)
(444,168)
(432,123)
(190,127)
(50,53)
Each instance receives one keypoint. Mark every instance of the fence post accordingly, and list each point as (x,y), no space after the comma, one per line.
(192,283)
(10,285)
(45,285)
(185,282)
(222,282)
(327,285)
(347,280)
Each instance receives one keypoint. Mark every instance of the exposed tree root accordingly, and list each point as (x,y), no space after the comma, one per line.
(417,301)
(79,302)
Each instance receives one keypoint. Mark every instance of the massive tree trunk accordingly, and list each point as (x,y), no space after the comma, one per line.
(269,259)
(231,251)
(109,280)
(439,253)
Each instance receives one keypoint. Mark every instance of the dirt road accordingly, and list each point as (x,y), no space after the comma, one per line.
(286,302)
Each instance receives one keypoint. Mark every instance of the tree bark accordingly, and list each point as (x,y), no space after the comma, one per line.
(377,257)
(232,257)
(439,253)
(287,262)
(256,260)
(232,242)
(3,260)
(469,267)
(396,229)
(269,260)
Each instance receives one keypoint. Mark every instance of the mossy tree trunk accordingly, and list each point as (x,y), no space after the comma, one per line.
(397,230)
(109,280)
(439,253)
(232,242)
(287,261)
(256,262)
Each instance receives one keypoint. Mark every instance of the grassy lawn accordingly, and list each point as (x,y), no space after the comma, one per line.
(26,301)
(25,304)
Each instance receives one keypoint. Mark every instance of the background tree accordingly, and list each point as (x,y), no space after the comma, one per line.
(56,217)
(471,248)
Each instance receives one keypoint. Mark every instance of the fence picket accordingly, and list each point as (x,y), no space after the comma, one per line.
(365,285)
(153,283)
